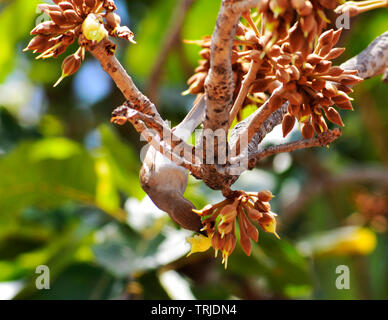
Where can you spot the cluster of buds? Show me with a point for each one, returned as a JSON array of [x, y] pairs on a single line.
[[219, 221], [278, 16], [85, 20], [313, 85], [300, 65]]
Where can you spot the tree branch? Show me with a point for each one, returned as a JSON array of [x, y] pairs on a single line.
[[219, 84], [126, 112], [323, 139], [372, 61], [144, 125], [172, 36], [316, 186], [244, 90], [104, 54]]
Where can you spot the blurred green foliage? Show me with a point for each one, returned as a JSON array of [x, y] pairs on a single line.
[[70, 197]]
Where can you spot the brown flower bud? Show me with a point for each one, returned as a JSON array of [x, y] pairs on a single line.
[[318, 84], [58, 18], [294, 97], [323, 66], [225, 228], [344, 88], [37, 43], [307, 130], [306, 10], [262, 206], [47, 27], [307, 23], [274, 51], [265, 196], [346, 105], [298, 4], [294, 73], [336, 36], [125, 33], [228, 213], [66, 5], [334, 53], [253, 213], [72, 16], [70, 65], [90, 3], [351, 80], [319, 124], [296, 38], [282, 75], [283, 60], [308, 68], [314, 59], [335, 71], [293, 109], [287, 124], [333, 116], [326, 37], [275, 101]]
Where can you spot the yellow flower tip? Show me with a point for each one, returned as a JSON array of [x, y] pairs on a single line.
[[225, 257], [199, 212], [215, 253], [199, 243], [185, 93], [63, 76]]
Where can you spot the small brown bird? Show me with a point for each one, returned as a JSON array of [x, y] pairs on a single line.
[[165, 182]]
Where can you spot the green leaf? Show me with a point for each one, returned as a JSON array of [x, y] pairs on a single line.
[[15, 23]]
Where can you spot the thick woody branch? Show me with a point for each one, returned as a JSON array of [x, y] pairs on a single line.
[[372, 61], [219, 84]]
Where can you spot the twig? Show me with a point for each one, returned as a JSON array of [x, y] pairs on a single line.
[[172, 36], [245, 86], [179, 147], [323, 139], [256, 122], [316, 186], [372, 61], [103, 53]]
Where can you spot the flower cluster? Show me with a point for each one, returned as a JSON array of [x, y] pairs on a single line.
[[85, 20], [289, 58], [219, 221]]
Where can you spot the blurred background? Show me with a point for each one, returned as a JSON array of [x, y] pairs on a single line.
[[70, 196]]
